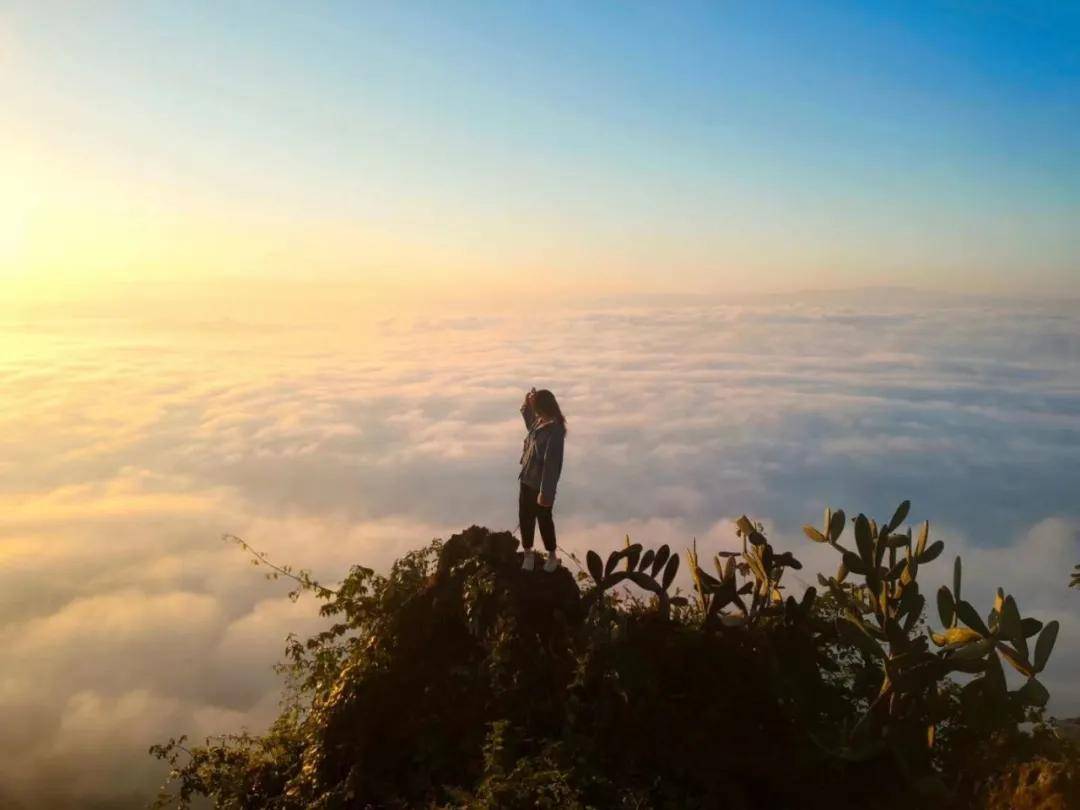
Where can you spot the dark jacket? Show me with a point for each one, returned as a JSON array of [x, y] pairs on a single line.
[[541, 454]]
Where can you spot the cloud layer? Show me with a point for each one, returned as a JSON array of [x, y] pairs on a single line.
[[130, 442]]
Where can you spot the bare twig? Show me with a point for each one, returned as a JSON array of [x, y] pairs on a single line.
[[301, 578]]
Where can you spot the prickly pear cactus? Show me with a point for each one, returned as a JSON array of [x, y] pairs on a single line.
[[877, 587], [760, 568], [652, 571]]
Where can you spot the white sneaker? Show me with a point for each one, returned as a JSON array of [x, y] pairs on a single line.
[[530, 561], [551, 564]]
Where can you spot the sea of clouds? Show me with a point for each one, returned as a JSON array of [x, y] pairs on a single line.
[[130, 440]]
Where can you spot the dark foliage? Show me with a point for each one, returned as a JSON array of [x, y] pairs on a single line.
[[459, 680]]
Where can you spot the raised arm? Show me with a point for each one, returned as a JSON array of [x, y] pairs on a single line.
[[527, 412]]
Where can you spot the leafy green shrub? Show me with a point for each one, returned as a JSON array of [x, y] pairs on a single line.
[[458, 680]]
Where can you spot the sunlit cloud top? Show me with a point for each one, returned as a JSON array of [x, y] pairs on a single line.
[[668, 146]]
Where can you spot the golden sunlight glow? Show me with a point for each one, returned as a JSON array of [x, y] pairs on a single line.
[[64, 223]]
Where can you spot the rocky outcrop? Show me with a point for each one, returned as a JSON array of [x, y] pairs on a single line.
[[481, 641]]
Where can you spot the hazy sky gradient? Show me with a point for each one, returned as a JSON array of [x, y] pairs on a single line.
[[623, 146]]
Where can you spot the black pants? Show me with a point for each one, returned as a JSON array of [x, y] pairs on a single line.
[[530, 513]]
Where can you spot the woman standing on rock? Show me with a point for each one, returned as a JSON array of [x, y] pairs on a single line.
[[541, 463]]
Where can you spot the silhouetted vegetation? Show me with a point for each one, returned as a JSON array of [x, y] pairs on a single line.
[[458, 680]]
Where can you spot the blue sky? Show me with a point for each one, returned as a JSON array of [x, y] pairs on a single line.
[[674, 145]]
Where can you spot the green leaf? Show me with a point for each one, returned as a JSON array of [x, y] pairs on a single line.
[[670, 570], [596, 568], [975, 649], [1009, 620], [642, 580], [895, 572], [1045, 645], [880, 545], [910, 599], [852, 562], [1033, 693], [661, 557], [924, 533], [612, 561], [836, 525], [912, 566], [787, 559], [708, 581], [968, 616], [899, 515], [932, 552], [946, 606], [956, 578], [995, 678], [914, 613], [1031, 627], [646, 559], [864, 540], [1019, 663], [814, 534]]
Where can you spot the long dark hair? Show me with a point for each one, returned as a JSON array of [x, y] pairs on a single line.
[[545, 403]]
